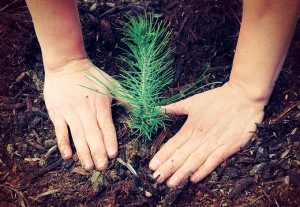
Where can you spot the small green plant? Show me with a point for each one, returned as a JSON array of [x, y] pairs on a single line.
[[147, 72]]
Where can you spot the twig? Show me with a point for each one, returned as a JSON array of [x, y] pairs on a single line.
[[22, 199], [50, 152], [129, 167], [8, 5], [284, 112], [159, 141], [50, 192], [39, 140], [260, 197], [183, 24], [10, 107], [36, 145], [45, 170]]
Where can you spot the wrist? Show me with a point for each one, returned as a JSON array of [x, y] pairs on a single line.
[[59, 55], [69, 67], [253, 95]]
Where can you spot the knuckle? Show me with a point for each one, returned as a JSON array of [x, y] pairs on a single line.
[[175, 143], [219, 156], [195, 157]]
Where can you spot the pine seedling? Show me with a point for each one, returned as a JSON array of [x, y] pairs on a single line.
[[147, 72]]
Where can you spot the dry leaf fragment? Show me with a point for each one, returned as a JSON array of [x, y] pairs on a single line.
[[80, 170], [285, 153]]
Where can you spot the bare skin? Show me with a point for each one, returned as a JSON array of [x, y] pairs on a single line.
[[223, 120], [87, 113], [219, 122]]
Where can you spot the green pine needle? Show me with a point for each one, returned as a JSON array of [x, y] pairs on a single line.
[[147, 72]]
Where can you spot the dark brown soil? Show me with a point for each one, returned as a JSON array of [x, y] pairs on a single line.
[[265, 173]]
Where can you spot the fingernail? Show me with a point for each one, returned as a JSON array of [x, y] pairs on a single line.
[[101, 164], [173, 182], [65, 154], [112, 152], [87, 166], [194, 178], [154, 164]]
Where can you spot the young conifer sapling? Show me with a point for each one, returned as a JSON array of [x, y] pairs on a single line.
[[146, 73]]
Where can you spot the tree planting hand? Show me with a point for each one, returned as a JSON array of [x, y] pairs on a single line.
[[87, 113], [219, 123], [223, 120]]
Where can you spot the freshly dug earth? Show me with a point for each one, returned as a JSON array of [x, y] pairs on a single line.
[[265, 173]]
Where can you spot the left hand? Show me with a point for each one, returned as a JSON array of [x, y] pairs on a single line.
[[219, 123]]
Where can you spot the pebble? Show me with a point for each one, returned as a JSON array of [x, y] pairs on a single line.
[[257, 168], [98, 181], [49, 143], [10, 149], [93, 7], [148, 194]]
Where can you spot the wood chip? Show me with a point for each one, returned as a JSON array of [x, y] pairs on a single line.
[[285, 153], [34, 159], [284, 112], [10, 107], [159, 141], [80, 170], [21, 77], [108, 4], [239, 188], [35, 144]]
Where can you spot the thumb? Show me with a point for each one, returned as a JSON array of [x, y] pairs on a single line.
[[178, 108]]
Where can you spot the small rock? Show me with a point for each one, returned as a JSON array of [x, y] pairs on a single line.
[[49, 143], [148, 194], [214, 176], [257, 168], [98, 181], [93, 7], [10, 149]]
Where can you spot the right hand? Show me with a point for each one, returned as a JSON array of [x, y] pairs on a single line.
[[87, 113]]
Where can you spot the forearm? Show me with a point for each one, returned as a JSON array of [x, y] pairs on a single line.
[[266, 31], [58, 29]]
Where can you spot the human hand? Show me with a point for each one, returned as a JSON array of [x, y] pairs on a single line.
[[87, 113], [219, 123]]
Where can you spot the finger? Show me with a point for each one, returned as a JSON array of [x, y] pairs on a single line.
[[209, 165], [62, 135], [79, 140], [105, 122], [170, 166], [179, 157], [171, 146], [194, 161], [94, 139]]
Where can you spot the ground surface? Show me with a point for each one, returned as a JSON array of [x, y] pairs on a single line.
[[32, 173]]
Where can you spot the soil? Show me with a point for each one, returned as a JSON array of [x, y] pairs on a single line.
[[265, 173]]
